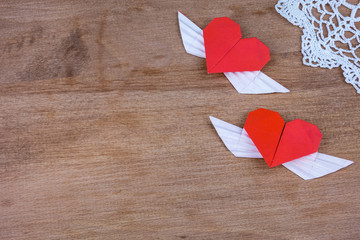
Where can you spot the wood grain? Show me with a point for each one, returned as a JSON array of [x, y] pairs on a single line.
[[104, 128]]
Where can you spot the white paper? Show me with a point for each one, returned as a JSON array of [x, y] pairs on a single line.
[[316, 165], [235, 139], [247, 82], [308, 167], [254, 82], [192, 36]]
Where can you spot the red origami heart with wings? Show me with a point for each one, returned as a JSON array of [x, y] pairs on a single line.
[[226, 51], [280, 142]]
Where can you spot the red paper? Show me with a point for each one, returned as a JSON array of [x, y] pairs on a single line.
[[299, 139], [280, 142], [226, 51], [264, 128]]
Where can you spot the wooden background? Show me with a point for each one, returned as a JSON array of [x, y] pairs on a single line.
[[104, 128]]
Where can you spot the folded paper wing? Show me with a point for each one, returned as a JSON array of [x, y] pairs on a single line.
[[254, 82], [316, 165], [309, 167], [192, 36], [246, 82], [235, 139]]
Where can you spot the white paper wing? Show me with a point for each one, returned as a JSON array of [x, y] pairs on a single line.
[[254, 82], [192, 36], [316, 165], [235, 139]]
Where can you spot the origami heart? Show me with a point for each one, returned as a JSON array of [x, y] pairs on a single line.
[[280, 142], [226, 51]]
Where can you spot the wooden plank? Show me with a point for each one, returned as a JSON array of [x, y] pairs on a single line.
[[105, 131]]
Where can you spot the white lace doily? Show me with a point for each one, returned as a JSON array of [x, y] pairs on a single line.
[[331, 33]]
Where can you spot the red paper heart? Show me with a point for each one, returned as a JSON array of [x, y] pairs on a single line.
[[279, 142], [226, 51], [298, 139]]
